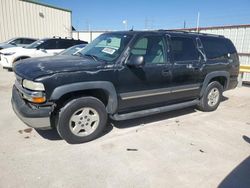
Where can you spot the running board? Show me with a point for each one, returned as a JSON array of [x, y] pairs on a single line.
[[142, 113]]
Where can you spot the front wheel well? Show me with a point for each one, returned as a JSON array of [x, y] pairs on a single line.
[[97, 93]]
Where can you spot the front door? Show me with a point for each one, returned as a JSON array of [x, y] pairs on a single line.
[[148, 85]]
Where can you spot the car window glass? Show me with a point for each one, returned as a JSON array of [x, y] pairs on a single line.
[[114, 43], [63, 44], [214, 47], [140, 47], [28, 41], [151, 48], [183, 49], [107, 47], [49, 44], [17, 41]]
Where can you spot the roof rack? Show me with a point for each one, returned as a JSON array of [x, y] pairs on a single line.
[[190, 32], [56, 37]]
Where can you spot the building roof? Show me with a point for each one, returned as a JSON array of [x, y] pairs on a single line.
[[46, 5], [217, 27]]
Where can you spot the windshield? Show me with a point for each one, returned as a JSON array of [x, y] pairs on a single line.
[[10, 40], [35, 44], [73, 50], [107, 47]]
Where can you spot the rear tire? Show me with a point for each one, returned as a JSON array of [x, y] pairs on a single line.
[[82, 120], [211, 97]]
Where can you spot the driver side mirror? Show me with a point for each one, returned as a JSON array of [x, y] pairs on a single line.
[[42, 50], [136, 61]]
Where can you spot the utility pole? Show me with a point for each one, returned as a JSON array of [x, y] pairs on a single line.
[[198, 22]]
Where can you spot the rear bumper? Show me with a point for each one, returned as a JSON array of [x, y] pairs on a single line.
[[38, 118]]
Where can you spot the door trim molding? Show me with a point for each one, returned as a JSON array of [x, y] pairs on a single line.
[[155, 92]]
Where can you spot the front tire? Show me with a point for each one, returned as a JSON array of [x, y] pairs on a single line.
[[211, 97], [82, 120]]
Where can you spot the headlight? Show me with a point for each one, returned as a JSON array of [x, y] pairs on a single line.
[[9, 53], [36, 86]]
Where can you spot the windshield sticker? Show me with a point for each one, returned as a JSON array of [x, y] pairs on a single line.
[[109, 51]]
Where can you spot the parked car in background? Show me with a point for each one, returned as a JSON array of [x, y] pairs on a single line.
[[73, 50], [14, 42], [40, 48], [124, 75]]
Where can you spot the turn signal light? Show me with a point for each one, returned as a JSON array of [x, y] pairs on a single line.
[[38, 99]]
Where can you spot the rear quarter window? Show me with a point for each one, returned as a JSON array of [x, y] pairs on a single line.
[[217, 47]]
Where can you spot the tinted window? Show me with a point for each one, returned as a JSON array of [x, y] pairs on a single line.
[[63, 44], [151, 48], [217, 47], [28, 41], [17, 41], [183, 49], [49, 44]]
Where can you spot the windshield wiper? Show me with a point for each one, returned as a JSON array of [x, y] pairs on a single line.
[[78, 54], [92, 56]]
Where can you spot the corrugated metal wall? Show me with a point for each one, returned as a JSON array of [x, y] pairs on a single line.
[[86, 35], [24, 19], [239, 35]]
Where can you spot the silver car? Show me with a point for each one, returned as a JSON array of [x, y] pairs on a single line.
[[17, 42]]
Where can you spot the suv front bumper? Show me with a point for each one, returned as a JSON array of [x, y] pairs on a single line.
[[38, 118]]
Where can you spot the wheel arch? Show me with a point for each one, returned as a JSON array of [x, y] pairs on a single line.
[[103, 90], [221, 76], [20, 57]]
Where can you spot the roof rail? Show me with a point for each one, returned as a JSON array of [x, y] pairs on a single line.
[[56, 37], [190, 32]]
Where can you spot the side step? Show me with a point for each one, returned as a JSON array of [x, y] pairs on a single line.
[[142, 113]]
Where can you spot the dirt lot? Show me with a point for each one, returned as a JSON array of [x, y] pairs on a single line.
[[185, 148]]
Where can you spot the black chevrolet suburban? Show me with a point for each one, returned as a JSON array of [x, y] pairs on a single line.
[[123, 75]]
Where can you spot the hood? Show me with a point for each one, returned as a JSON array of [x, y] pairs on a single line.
[[33, 68], [12, 49], [5, 45]]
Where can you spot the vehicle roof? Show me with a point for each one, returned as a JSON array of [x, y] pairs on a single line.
[[24, 38], [170, 32], [61, 38]]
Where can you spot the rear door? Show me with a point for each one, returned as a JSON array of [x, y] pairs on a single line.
[[186, 69]]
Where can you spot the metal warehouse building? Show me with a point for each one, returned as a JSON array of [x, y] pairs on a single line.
[[26, 18]]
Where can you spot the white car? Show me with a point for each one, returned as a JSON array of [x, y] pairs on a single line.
[[40, 48]]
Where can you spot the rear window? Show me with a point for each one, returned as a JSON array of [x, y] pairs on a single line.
[[184, 49], [217, 47]]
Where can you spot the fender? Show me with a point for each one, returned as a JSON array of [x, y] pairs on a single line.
[[20, 58], [80, 86], [212, 75]]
